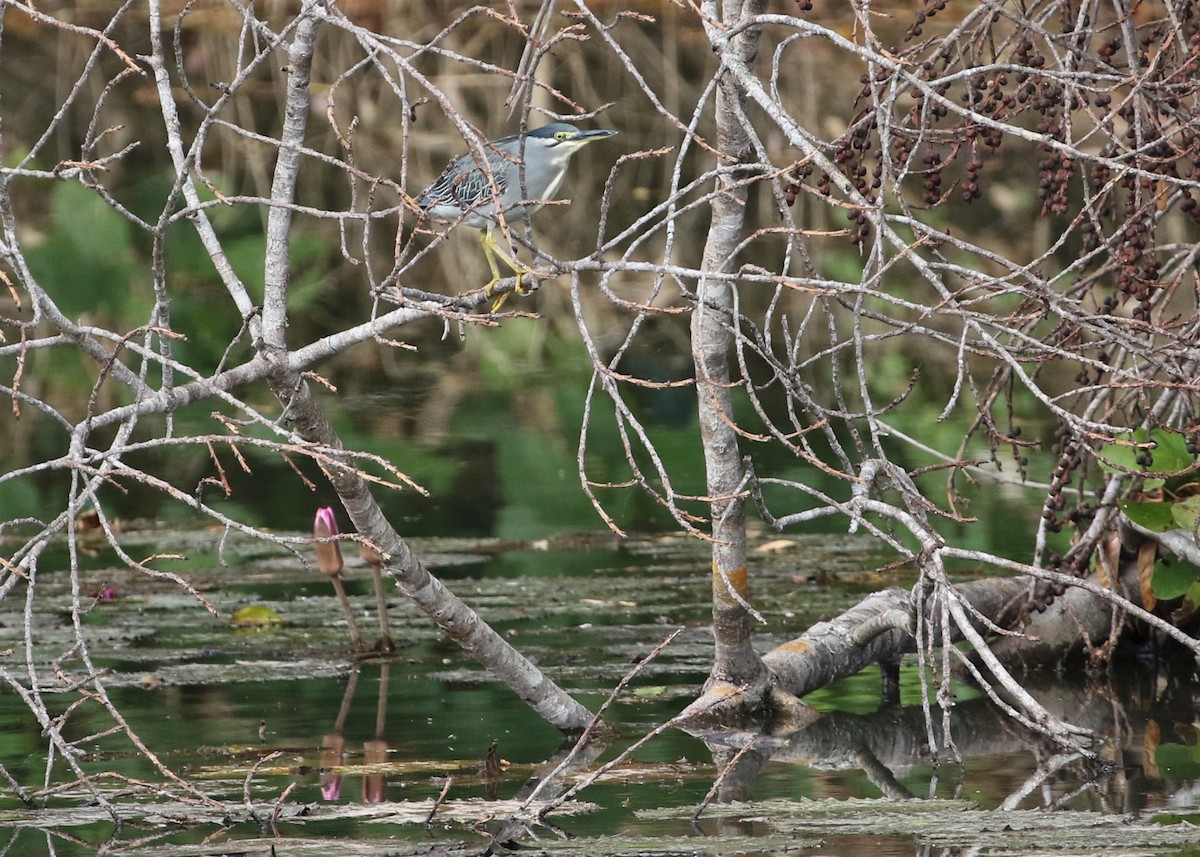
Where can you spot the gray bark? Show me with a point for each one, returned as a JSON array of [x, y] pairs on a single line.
[[458, 620], [843, 646], [736, 664]]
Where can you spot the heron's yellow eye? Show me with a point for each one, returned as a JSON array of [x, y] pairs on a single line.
[[561, 135]]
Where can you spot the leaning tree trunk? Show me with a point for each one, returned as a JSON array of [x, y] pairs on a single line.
[[736, 664], [457, 619]]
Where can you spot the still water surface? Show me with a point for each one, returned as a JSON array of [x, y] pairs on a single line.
[[507, 526], [214, 702]]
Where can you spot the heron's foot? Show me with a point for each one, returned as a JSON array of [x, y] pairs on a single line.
[[518, 287], [497, 299]]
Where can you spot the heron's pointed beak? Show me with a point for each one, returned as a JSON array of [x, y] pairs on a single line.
[[597, 134]]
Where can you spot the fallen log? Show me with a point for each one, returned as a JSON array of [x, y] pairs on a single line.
[[881, 628]]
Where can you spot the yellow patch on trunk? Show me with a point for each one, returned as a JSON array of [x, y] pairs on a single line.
[[737, 577], [796, 646], [724, 690]]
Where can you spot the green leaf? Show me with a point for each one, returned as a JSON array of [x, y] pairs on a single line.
[[1177, 761], [1171, 581], [1119, 457], [255, 616], [87, 263], [93, 229], [1186, 512], [1168, 453], [1157, 517], [1171, 454], [655, 690]]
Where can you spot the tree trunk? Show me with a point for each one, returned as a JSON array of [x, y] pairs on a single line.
[[458, 620], [736, 664]]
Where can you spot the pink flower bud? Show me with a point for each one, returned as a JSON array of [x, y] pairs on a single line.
[[329, 554]]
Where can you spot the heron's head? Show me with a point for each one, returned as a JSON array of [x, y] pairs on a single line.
[[560, 138]]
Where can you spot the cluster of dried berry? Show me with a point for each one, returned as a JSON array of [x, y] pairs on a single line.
[[851, 153], [1057, 86], [1069, 460]]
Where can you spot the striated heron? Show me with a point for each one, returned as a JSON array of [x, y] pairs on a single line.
[[523, 171]]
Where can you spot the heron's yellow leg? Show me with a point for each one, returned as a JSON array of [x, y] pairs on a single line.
[[489, 248], [492, 251]]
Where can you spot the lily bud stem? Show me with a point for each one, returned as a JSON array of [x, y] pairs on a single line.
[[355, 637]]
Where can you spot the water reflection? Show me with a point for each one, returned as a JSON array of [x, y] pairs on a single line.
[[412, 730], [1143, 763], [333, 746], [1143, 758], [1144, 721], [333, 767]]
